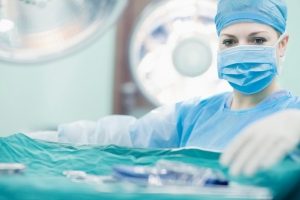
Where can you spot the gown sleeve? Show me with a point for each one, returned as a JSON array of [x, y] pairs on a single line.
[[156, 129]]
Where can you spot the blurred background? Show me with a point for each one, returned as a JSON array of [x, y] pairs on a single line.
[[95, 58]]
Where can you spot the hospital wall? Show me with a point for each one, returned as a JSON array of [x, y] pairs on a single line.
[[37, 97], [291, 69]]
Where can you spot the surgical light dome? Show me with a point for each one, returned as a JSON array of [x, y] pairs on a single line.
[[173, 51], [40, 30]]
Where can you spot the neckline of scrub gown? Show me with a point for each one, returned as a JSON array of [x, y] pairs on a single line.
[[265, 103], [206, 134]]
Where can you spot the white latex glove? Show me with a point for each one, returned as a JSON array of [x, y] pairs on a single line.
[[263, 143], [79, 132], [112, 129], [50, 136]]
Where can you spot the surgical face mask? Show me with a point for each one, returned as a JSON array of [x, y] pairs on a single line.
[[249, 69]]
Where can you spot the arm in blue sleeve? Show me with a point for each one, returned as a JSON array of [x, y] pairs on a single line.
[[157, 129]]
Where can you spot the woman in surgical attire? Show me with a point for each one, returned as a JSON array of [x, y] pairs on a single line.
[[252, 45]]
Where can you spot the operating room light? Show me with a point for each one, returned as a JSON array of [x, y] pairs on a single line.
[[173, 51], [42, 30]]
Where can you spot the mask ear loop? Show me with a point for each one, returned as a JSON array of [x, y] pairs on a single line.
[[281, 59], [280, 39]]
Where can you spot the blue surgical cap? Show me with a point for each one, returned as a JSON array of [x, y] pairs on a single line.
[[269, 12]]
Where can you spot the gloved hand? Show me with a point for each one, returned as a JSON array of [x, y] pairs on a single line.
[[111, 129], [263, 143], [79, 132]]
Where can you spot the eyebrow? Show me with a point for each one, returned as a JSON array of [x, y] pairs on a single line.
[[252, 34], [228, 35], [256, 33]]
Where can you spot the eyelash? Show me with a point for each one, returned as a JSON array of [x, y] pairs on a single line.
[[229, 42], [255, 41], [262, 40]]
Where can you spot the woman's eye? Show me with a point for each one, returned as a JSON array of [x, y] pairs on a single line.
[[259, 41], [229, 42]]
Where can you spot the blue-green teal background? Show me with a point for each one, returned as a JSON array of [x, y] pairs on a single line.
[[80, 86]]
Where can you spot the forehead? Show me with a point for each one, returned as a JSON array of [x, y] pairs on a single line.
[[246, 28]]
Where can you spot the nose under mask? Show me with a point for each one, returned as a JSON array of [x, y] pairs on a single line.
[[249, 69]]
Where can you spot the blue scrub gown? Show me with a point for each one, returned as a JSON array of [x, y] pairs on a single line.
[[208, 124]]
